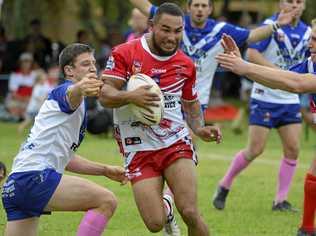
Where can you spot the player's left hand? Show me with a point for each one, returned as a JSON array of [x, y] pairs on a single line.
[[209, 133], [116, 173], [90, 85], [229, 45]]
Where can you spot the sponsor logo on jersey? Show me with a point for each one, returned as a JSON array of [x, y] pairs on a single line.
[[158, 71], [110, 64], [132, 141], [295, 36], [259, 91], [137, 67]]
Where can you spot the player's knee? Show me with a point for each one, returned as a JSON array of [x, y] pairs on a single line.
[[108, 202], [154, 226], [254, 152], [190, 215], [291, 152]]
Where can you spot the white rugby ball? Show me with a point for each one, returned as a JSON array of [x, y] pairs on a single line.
[[142, 115]]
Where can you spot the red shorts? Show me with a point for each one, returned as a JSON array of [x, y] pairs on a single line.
[[148, 164]]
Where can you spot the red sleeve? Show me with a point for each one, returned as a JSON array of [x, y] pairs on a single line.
[[117, 63], [189, 92]]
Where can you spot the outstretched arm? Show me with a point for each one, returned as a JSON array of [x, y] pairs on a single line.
[[263, 32], [256, 57], [81, 165], [143, 5], [195, 120], [270, 77]]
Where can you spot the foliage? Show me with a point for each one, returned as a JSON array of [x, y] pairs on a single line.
[[61, 19]]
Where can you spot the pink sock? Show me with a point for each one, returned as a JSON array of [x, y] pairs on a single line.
[[238, 164], [286, 173], [92, 224]]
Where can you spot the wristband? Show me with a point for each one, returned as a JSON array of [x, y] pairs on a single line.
[[275, 26]]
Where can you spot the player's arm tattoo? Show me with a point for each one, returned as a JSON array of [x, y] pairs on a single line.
[[193, 114]]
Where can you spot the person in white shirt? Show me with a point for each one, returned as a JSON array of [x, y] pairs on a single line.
[[20, 86], [39, 94]]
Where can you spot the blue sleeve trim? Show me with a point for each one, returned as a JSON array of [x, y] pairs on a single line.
[[239, 34], [262, 45], [153, 11], [59, 95]]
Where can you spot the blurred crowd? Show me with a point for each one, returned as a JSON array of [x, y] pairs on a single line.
[[29, 71]]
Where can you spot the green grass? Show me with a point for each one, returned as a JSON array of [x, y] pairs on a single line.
[[248, 211]]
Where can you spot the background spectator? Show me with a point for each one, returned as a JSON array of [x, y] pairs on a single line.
[[38, 44], [39, 94], [83, 37], [20, 86], [138, 23]]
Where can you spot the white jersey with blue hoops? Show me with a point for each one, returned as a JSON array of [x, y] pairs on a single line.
[[57, 132], [285, 48], [202, 45]]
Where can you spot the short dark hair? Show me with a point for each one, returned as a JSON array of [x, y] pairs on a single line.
[[4, 168], [69, 54], [168, 8], [210, 2]]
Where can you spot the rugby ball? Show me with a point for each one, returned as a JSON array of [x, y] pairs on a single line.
[[141, 114]]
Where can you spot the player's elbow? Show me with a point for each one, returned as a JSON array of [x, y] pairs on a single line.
[[106, 102]]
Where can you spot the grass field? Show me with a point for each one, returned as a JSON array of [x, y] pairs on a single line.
[[248, 211]]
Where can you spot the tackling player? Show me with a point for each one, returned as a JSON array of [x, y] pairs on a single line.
[[304, 82], [273, 108], [36, 184]]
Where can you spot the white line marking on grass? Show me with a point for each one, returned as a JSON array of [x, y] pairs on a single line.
[[259, 160]]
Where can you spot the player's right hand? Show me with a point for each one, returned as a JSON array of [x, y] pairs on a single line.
[[144, 98], [116, 173], [90, 86]]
